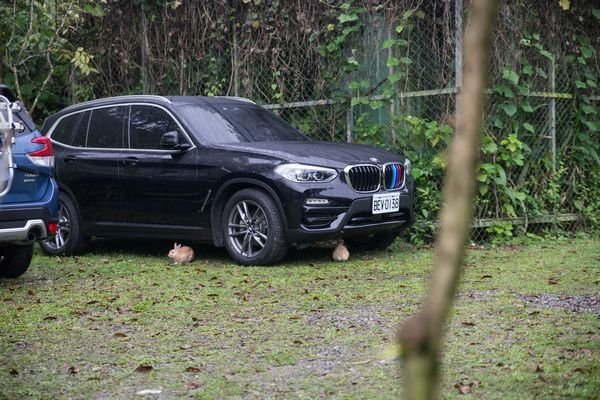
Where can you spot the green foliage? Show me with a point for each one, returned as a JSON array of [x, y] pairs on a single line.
[[500, 232], [37, 48], [59, 52]]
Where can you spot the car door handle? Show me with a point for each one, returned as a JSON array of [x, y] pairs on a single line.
[[130, 161], [70, 159]]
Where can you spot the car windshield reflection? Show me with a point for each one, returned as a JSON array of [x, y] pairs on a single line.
[[235, 123]]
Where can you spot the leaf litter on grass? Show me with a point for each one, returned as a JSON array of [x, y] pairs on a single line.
[[307, 328]]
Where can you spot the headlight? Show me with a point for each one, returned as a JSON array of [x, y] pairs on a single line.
[[407, 166], [306, 173]]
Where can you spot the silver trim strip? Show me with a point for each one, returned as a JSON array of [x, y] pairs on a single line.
[[185, 133], [131, 97]]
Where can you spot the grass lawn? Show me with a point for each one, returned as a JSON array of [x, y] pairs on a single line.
[[121, 320]]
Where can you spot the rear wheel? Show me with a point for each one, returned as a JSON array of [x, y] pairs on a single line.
[[14, 260], [68, 239], [253, 229]]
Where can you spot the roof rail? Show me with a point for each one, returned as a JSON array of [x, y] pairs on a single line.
[[236, 98], [131, 97]]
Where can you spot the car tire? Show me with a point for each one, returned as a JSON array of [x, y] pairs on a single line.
[[68, 239], [376, 241], [15, 260], [253, 229]]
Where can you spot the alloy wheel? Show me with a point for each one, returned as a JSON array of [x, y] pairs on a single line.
[[63, 230], [248, 228]]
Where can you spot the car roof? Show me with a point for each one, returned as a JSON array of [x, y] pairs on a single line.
[[151, 99]]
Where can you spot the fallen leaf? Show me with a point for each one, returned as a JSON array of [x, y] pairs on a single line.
[[192, 369], [486, 277], [149, 391], [298, 342], [541, 378], [50, 318], [361, 362], [191, 385], [144, 368], [538, 369], [120, 334], [73, 370], [468, 323], [463, 389]]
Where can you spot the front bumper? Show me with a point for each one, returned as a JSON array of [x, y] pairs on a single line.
[[347, 214]]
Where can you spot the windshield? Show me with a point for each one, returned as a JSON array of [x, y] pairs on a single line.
[[236, 123]]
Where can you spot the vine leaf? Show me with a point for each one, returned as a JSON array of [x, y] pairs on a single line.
[[529, 127], [509, 108], [511, 76]]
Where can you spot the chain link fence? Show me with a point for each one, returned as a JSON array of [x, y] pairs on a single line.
[[386, 74], [402, 96]]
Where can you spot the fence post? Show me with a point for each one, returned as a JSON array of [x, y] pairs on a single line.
[[552, 113], [236, 63], [458, 61], [349, 123]]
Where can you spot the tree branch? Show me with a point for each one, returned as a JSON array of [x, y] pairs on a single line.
[[421, 335]]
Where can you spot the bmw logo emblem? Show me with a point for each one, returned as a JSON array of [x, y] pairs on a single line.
[[373, 159]]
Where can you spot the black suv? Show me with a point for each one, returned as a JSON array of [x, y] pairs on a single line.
[[220, 170]]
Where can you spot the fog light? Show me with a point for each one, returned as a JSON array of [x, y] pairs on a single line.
[[316, 202]]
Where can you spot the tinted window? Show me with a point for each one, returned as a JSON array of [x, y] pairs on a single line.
[[233, 123], [81, 133], [147, 124], [64, 130], [106, 127]]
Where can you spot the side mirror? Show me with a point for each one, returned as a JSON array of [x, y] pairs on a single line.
[[170, 141]]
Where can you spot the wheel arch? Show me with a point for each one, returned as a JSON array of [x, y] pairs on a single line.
[[64, 189], [226, 190]]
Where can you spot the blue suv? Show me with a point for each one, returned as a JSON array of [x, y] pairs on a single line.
[[28, 191]]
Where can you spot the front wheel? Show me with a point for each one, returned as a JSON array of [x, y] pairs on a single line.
[[68, 238], [253, 229], [15, 260]]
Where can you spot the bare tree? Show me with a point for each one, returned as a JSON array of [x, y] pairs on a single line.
[[421, 335]]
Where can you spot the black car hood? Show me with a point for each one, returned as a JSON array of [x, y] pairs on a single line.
[[327, 154]]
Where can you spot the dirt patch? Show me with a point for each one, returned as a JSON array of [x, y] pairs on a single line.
[[578, 304]]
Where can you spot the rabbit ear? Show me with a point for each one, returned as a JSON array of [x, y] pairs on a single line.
[[179, 246]]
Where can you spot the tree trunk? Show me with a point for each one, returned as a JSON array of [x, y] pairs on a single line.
[[421, 335]]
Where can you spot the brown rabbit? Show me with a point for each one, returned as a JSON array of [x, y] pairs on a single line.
[[340, 253], [181, 254]]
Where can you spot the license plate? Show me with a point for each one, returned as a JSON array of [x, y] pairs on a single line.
[[385, 203]]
